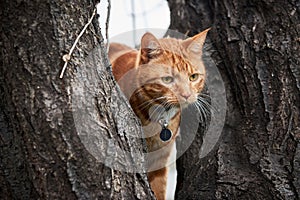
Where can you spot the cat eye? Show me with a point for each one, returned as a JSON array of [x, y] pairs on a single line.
[[194, 77], [167, 79]]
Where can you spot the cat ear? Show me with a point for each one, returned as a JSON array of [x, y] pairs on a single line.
[[150, 46], [195, 44]]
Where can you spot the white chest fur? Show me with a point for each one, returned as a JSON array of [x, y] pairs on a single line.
[[172, 175]]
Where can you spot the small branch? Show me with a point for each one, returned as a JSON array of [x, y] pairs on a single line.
[[107, 24], [67, 57]]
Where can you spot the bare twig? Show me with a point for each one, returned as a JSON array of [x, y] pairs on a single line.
[[67, 57], [107, 24]]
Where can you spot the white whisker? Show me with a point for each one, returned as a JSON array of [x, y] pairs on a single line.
[[204, 107], [160, 110], [208, 105], [151, 101], [199, 111]]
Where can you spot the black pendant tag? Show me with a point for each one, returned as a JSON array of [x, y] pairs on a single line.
[[165, 134]]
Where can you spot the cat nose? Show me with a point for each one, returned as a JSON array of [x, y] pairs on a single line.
[[186, 95]]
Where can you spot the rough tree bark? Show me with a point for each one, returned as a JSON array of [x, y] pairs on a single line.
[[42, 156], [255, 45]]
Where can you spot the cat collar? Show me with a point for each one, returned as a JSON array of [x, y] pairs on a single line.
[[165, 133]]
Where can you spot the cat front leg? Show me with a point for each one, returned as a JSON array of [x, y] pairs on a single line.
[[158, 182]]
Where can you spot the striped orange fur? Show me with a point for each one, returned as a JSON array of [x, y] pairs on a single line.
[[161, 78]]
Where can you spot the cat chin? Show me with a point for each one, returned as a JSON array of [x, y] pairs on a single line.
[[184, 105]]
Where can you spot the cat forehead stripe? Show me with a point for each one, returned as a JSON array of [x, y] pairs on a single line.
[[181, 64]]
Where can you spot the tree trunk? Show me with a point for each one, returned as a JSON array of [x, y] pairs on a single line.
[[46, 128], [255, 45]]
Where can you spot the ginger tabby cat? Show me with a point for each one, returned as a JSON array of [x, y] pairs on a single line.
[[161, 78]]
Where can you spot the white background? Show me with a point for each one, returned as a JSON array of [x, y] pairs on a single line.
[[148, 15]]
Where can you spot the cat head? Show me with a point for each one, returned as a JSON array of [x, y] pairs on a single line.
[[171, 71]]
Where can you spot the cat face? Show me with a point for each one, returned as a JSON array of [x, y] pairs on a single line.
[[170, 71]]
